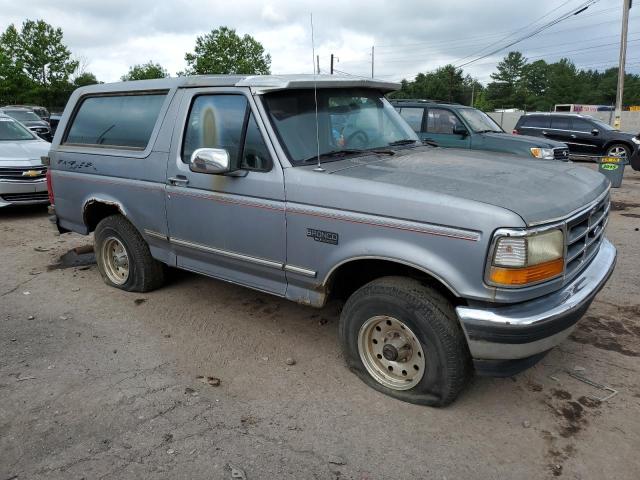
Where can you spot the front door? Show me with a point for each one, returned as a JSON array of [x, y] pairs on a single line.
[[228, 226], [439, 128]]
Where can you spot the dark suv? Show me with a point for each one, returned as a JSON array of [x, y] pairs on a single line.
[[584, 135], [455, 125]]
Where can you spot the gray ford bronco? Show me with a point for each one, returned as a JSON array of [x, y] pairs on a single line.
[[450, 261]]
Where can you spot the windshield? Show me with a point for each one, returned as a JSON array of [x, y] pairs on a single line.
[[349, 121], [12, 131], [23, 115], [602, 125], [479, 121]]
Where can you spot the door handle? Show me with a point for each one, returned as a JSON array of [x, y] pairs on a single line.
[[572, 136], [179, 180], [544, 132]]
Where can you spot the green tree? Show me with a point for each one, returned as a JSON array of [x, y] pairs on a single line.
[[35, 64], [507, 89], [146, 71], [445, 83], [222, 51], [84, 79]]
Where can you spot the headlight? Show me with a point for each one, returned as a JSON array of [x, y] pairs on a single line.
[[636, 140], [526, 259], [544, 153]]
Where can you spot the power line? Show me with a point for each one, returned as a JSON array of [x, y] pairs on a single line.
[[533, 33]]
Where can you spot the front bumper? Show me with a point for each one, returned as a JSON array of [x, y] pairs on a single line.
[[524, 331], [23, 193]]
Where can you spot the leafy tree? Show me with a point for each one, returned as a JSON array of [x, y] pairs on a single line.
[[222, 51], [446, 83], [145, 71], [507, 88], [84, 79], [35, 65], [42, 55]]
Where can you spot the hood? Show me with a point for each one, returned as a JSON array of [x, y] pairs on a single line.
[[35, 123], [538, 191], [23, 152], [524, 140]]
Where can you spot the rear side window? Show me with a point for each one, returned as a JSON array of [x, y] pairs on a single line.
[[561, 123], [535, 122], [581, 125], [122, 121], [441, 121], [413, 116]]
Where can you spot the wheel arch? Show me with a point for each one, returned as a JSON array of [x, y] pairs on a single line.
[[351, 273], [627, 144], [96, 209]]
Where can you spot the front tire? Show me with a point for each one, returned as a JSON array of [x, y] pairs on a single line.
[[123, 257], [619, 150], [403, 339]]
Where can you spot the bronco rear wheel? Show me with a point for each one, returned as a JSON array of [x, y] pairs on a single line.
[[403, 339], [123, 257]]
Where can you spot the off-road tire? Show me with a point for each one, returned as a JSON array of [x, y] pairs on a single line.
[[433, 320], [145, 272]]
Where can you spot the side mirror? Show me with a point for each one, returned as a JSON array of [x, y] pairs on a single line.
[[460, 130], [214, 161], [595, 132]]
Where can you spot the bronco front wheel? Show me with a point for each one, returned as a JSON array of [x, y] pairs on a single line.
[[403, 339]]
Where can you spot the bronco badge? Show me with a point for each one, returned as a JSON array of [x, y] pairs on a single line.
[[323, 236]]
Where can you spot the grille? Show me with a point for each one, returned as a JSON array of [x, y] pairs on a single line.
[[15, 173], [561, 153], [585, 232], [25, 197]]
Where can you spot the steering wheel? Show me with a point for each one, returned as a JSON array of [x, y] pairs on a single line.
[[358, 139]]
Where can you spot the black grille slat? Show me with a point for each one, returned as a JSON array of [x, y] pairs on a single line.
[[561, 153], [15, 173], [25, 197]]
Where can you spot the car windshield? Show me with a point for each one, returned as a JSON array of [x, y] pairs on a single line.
[[23, 115], [350, 121], [11, 130], [479, 121], [602, 125]]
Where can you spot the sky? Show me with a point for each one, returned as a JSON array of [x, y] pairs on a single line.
[[408, 36]]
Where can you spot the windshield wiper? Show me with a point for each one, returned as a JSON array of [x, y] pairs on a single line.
[[334, 153], [489, 131], [404, 141]]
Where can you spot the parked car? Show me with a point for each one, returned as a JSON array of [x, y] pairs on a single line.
[[585, 135], [22, 174], [635, 158], [42, 112], [54, 120], [30, 120], [449, 260], [454, 125]]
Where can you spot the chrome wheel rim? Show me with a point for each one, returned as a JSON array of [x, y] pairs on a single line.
[[617, 152], [391, 352], [115, 260]]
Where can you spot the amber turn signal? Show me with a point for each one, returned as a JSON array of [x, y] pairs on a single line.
[[523, 276]]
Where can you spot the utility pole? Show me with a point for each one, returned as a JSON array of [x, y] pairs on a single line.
[[473, 90], [332, 64], [318, 64], [626, 5], [372, 59]]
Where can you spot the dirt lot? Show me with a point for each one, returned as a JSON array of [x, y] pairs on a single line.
[[98, 383]]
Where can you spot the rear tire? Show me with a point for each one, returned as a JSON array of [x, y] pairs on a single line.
[[123, 257], [403, 338]]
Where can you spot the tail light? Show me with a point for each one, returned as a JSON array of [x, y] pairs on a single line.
[[514, 131], [50, 187]]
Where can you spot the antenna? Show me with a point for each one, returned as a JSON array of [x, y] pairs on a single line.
[[315, 97]]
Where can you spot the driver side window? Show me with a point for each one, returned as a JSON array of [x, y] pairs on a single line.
[[441, 121], [226, 121]]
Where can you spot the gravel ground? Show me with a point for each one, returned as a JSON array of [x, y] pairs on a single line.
[[98, 383]]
